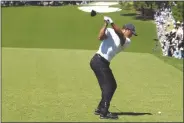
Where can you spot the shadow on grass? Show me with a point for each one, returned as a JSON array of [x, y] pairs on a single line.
[[129, 14], [131, 113], [155, 39], [139, 17]]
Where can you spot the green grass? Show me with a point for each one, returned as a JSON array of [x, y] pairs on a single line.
[[55, 85], [45, 78], [68, 28], [177, 63], [65, 27]]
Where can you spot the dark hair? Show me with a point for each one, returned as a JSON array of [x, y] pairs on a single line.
[[124, 27]]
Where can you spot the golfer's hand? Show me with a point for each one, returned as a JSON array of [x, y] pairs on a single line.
[[108, 20]]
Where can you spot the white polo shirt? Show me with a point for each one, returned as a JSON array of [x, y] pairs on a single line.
[[112, 45]]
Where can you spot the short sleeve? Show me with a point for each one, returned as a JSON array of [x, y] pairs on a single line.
[[128, 40], [127, 43]]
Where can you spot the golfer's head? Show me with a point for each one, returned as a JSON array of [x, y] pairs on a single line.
[[129, 30]]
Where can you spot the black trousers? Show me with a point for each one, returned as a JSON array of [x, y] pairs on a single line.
[[106, 80]]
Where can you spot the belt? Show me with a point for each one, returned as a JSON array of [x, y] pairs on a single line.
[[102, 59]]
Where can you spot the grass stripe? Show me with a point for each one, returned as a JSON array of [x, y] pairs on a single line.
[[49, 85]]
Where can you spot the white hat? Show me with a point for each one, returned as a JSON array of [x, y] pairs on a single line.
[[173, 30], [178, 22]]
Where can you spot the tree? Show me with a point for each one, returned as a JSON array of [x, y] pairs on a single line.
[[146, 8], [178, 11], [139, 4]]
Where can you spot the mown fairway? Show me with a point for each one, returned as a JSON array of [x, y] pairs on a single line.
[[46, 75]]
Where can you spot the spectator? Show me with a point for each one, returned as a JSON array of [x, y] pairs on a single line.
[[171, 42]]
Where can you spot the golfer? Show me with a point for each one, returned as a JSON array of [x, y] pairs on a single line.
[[113, 40]]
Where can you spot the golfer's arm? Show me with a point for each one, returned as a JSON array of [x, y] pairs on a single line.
[[119, 33], [102, 34], [116, 28]]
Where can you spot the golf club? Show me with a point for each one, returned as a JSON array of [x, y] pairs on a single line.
[[94, 13]]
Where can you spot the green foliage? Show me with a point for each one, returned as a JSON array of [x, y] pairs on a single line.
[[178, 11], [126, 5], [139, 4], [145, 4]]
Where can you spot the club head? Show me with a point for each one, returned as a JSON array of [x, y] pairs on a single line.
[[93, 13]]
